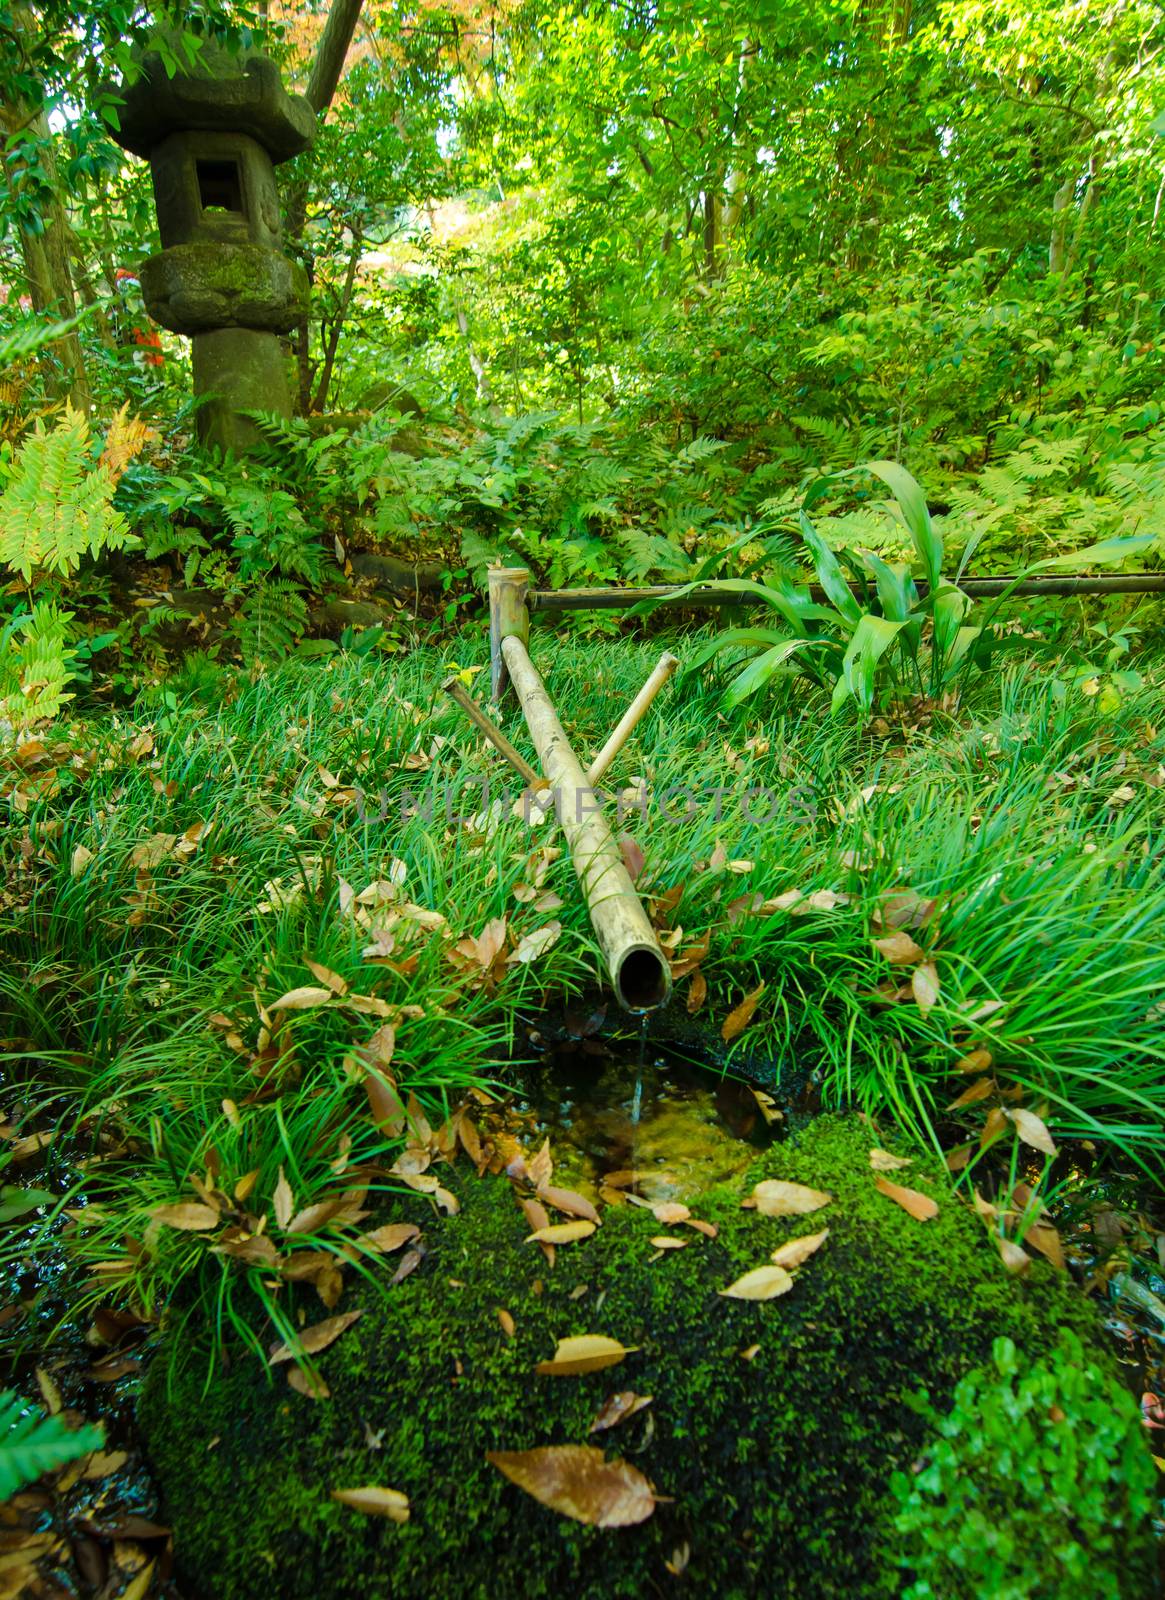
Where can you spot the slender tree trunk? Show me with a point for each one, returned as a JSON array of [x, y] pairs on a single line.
[[45, 254], [333, 340], [322, 83]]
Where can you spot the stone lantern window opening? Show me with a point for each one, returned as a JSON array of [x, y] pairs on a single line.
[[220, 183]]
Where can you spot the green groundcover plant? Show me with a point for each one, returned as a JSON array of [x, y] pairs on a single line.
[[1034, 1482]]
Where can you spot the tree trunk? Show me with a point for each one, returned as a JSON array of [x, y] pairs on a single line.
[[322, 83], [333, 340], [45, 254]]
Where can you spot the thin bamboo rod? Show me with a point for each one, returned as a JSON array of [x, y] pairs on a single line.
[[638, 967], [632, 717], [715, 595], [457, 692]]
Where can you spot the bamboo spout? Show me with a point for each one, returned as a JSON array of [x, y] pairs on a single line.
[[638, 967]]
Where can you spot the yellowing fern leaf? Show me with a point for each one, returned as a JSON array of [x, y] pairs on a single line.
[[56, 507]]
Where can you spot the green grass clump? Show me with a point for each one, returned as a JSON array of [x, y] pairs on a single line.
[[774, 1427], [185, 869]]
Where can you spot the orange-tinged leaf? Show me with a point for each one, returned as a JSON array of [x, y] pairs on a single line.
[[304, 999], [1032, 1130], [586, 1352], [374, 1501], [561, 1233], [245, 1184], [507, 1322], [697, 992], [391, 1237], [708, 1229], [884, 1161], [616, 1408], [899, 949], [575, 1205], [384, 1104], [1044, 1238], [1013, 1256], [308, 1383], [762, 1283], [670, 1212], [188, 1216], [975, 1061], [739, 1018], [795, 1251], [577, 1481], [925, 986], [540, 1168], [981, 1089], [318, 1337], [330, 980], [775, 1198], [920, 1206]]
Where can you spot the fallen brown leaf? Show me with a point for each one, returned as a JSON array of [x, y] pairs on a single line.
[[884, 1161], [1032, 1130], [773, 1197], [899, 949], [920, 1206], [577, 1481], [316, 1338], [587, 1352], [616, 1408], [796, 1251], [575, 1205], [188, 1216], [739, 1018], [374, 1501], [762, 1283], [561, 1233]]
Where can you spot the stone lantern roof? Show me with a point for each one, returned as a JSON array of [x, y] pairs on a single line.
[[229, 94]]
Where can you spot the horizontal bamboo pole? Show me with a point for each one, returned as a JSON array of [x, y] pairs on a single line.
[[632, 717], [715, 595], [638, 967]]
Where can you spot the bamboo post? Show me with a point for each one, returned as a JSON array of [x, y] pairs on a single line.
[[638, 967], [632, 717], [458, 693], [508, 617]]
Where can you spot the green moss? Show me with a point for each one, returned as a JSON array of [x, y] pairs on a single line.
[[778, 1467]]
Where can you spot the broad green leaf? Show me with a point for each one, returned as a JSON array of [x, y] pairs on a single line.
[[873, 636], [915, 514], [896, 588], [1108, 553], [760, 671], [731, 638], [829, 573]]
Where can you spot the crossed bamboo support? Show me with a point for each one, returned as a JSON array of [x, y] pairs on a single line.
[[631, 952]]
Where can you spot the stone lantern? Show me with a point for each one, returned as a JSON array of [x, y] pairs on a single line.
[[213, 136]]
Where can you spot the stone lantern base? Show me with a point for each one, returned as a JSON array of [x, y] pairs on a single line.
[[236, 370]]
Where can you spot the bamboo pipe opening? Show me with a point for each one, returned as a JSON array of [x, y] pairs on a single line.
[[642, 981]]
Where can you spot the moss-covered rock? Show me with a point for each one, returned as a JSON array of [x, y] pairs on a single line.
[[778, 1461]]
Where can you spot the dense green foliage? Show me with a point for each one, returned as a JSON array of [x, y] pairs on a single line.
[[1048, 1444], [835, 303]]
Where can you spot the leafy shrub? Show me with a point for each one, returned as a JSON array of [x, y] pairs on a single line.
[[1038, 1486], [56, 508], [32, 1444], [57, 502], [871, 633], [36, 662]]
